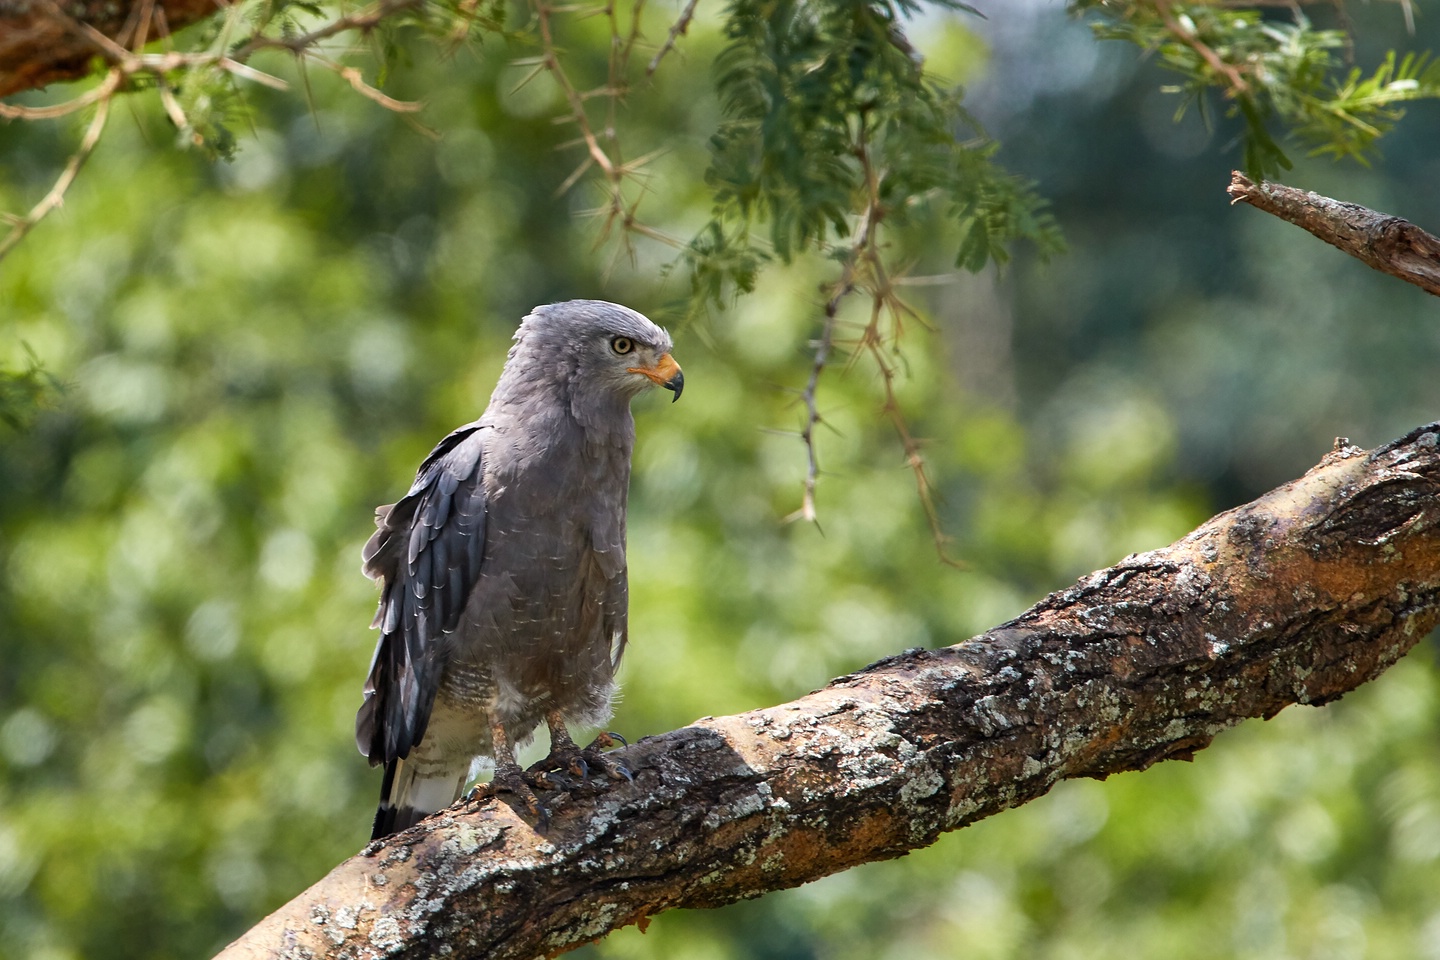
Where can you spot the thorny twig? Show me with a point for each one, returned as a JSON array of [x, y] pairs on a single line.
[[23, 225], [914, 456], [126, 64], [865, 270], [352, 76], [363, 20], [677, 30], [864, 237], [551, 61], [12, 111], [602, 147], [842, 288]]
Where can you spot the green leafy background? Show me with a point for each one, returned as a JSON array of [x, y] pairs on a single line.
[[240, 359]]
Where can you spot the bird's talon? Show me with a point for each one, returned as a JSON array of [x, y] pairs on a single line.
[[540, 780], [564, 756], [518, 783], [613, 769], [606, 740]]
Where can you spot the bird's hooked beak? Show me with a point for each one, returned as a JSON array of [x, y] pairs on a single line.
[[666, 373]]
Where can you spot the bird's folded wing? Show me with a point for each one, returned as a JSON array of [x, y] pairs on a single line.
[[426, 552]]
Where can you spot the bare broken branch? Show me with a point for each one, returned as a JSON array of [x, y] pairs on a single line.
[[1389, 244]]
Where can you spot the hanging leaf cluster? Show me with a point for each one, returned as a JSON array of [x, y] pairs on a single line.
[[828, 108]]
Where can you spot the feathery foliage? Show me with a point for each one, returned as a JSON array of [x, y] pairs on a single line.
[[815, 94], [25, 391], [1278, 76]]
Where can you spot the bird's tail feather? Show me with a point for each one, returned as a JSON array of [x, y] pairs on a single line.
[[408, 796]]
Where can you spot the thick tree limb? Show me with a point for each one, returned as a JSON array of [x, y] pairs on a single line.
[[1389, 244], [1304, 594]]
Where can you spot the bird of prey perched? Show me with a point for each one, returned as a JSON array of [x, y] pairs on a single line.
[[503, 589]]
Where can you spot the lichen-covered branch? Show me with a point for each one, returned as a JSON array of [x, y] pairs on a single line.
[[1306, 593], [1389, 244]]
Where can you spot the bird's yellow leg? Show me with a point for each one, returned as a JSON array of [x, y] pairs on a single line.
[[564, 754]]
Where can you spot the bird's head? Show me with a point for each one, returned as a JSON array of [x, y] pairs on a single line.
[[608, 346]]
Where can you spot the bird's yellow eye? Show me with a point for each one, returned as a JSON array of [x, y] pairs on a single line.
[[622, 345]]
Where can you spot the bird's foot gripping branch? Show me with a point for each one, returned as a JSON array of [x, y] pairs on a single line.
[[1298, 597]]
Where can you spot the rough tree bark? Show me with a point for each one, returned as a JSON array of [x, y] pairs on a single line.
[[1304, 594], [1389, 244]]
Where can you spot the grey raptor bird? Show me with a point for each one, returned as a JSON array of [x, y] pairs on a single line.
[[503, 589]]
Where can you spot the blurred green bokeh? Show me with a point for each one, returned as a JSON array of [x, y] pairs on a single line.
[[254, 354]]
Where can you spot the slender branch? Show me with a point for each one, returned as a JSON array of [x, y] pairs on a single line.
[[577, 104], [1308, 592], [14, 111], [125, 64], [677, 30], [841, 289], [1388, 244], [914, 455], [861, 254], [250, 73], [362, 20], [1186, 35], [865, 270], [883, 300], [20, 226], [352, 76], [172, 106], [615, 172]]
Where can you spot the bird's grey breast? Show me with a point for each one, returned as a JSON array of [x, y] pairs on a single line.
[[552, 482], [550, 601]]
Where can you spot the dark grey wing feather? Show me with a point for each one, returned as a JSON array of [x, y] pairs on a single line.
[[426, 553]]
